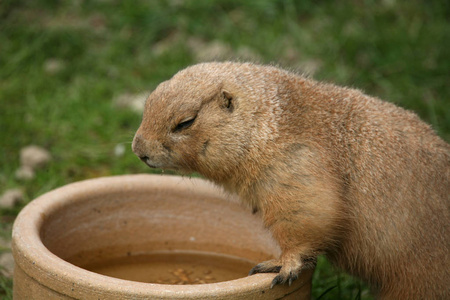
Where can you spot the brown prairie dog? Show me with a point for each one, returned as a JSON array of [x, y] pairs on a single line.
[[330, 169]]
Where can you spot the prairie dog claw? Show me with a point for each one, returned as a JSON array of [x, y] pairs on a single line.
[[282, 279], [288, 272], [262, 268]]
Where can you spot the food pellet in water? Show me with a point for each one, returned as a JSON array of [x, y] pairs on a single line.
[[175, 268]]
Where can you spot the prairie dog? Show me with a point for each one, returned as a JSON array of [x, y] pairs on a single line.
[[330, 170]]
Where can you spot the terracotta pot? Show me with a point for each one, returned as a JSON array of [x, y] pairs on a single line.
[[103, 219]]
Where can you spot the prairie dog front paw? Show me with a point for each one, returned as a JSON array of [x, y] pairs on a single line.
[[289, 268]]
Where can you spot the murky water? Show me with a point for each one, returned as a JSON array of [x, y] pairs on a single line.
[[175, 268]]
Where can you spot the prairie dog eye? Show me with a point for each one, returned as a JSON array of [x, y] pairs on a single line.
[[185, 123]]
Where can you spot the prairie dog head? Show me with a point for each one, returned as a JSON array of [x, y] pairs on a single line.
[[207, 118]]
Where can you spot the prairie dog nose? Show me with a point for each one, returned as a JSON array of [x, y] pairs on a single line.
[[138, 146]]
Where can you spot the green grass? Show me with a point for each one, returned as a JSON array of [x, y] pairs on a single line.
[[396, 50]]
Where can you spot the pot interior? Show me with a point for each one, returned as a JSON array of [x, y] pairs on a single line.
[[161, 233]]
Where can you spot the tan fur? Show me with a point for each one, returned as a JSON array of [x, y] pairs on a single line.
[[330, 169]]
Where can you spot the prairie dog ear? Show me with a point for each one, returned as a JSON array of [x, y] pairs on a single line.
[[227, 100]]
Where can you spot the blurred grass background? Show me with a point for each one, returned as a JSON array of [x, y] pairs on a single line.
[[66, 68]]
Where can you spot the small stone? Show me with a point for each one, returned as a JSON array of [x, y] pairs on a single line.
[[216, 50], [119, 150], [34, 157], [11, 198], [310, 66], [6, 264], [135, 102], [247, 53], [168, 43], [25, 173], [53, 66]]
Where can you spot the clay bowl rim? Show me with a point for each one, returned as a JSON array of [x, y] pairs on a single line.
[[40, 261]]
